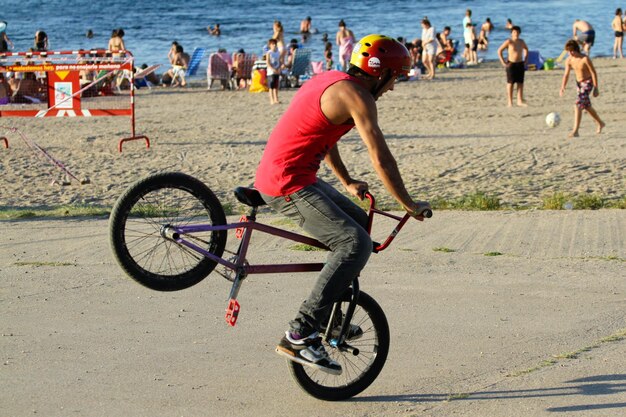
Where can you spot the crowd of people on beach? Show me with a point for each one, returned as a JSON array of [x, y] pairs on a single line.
[[430, 51]]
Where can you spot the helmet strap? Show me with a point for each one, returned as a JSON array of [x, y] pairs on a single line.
[[384, 78]]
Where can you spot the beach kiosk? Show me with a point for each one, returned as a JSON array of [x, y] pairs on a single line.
[[81, 83]]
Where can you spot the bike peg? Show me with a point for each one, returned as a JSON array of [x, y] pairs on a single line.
[[427, 213], [232, 312]]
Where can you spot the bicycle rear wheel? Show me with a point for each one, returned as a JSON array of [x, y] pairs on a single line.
[[359, 371], [136, 222]]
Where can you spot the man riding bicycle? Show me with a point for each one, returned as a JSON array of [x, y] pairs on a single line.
[[324, 109]]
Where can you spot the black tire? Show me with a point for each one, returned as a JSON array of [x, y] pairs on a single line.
[[358, 371], [135, 231]]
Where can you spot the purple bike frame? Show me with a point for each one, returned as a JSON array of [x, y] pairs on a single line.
[[248, 226]]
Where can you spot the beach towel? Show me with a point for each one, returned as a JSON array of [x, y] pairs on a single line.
[[346, 47]]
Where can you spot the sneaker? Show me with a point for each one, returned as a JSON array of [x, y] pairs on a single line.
[[308, 351], [354, 332]]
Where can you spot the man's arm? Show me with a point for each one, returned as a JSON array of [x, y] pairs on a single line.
[[525, 52], [501, 51], [568, 68], [355, 102], [334, 161]]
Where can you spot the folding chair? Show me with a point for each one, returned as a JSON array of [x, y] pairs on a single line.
[[301, 66], [218, 69], [194, 62]]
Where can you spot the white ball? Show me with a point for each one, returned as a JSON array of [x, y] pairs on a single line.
[[553, 119]]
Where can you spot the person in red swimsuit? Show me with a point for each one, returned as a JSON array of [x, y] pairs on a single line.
[[324, 109]]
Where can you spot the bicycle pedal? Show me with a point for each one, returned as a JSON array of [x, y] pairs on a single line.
[[232, 312]]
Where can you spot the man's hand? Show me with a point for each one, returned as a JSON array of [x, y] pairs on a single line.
[[417, 209], [596, 92], [357, 188]]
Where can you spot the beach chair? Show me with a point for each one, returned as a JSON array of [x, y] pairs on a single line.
[[140, 76], [243, 71], [194, 62], [218, 69], [301, 66]]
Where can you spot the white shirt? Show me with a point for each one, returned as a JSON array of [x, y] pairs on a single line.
[[466, 20], [428, 35]]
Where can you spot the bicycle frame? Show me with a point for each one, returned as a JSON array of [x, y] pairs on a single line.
[[246, 226]]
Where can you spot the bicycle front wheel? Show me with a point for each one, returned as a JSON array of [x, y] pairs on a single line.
[[359, 370], [137, 221]]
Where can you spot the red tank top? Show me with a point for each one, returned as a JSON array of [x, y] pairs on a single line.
[[300, 140]]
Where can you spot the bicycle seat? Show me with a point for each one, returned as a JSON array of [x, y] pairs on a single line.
[[249, 197]]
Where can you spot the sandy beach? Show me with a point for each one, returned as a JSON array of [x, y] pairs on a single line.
[[452, 136]]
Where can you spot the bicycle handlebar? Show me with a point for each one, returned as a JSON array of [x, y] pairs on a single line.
[[427, 213]]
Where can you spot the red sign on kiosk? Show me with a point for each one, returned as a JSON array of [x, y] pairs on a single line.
[[62, 86]]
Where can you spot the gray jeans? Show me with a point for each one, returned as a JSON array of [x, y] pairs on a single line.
[[337, 222]]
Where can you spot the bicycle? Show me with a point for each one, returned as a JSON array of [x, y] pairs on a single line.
[[168, 232]]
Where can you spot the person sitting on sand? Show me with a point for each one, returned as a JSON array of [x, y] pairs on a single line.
[[13, 78], [29, 90], [586, 81], [291, 54], [5, 90], [515, 65], [237, 72], [442, 39], [415, 51], [179, 67]]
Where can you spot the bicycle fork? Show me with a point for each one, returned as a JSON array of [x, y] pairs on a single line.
[[339, 342]]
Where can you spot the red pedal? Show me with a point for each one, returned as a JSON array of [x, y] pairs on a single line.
[[232, 312], [239, 230]]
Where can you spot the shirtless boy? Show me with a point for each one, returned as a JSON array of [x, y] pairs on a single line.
[[515, 65], [586, 80]]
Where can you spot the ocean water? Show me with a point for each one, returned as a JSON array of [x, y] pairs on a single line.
[[151, 26]]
